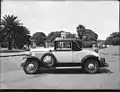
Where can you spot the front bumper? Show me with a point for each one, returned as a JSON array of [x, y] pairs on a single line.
[[103, 63]]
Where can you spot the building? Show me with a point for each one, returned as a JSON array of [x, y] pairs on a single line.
[[48, 43], [63, 34], [33, 43]]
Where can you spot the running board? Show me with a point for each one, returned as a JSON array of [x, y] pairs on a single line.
[[68, 64], [67, 67]]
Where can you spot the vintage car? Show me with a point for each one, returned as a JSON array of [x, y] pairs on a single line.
[[66, 52]]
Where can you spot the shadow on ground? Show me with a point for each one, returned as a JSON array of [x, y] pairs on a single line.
[[71, 71]]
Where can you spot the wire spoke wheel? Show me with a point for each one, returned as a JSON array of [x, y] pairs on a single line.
[[31, 67], [91, 66]]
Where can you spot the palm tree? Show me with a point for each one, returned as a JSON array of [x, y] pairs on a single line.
[[26, 34], [10, 23], [22, 36], [14, 31]]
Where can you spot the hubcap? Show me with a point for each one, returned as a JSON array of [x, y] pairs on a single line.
[[30, 66], [91, 66]]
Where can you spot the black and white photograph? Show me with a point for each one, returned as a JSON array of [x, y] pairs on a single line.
[[59, 44]]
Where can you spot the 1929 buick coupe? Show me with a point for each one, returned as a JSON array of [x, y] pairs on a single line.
[[66, 52]]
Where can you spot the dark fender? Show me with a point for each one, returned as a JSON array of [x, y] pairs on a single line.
[[35, 58], [89, 57]]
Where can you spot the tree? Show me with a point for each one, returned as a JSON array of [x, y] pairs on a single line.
[[9, 23], [80, 31], [22, 37], [13, 31], [51, 36], [70, 35], [1, 35], [113, 39], [40, 37], [88, 36]]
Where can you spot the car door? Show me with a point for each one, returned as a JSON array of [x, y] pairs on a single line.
[[63, 52], [77, 53]]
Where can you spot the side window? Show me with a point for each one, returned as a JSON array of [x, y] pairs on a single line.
[[63, 46], [75, 47]]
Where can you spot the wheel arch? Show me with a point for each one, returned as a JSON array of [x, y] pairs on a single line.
[[34, 58], [90, 57]]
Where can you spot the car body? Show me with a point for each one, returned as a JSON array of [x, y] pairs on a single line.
[[66, 52]]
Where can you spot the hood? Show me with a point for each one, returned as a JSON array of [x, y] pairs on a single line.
[[90, 52], [42, 49]]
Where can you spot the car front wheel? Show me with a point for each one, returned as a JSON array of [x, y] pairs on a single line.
[[31, 67], [91, 66]]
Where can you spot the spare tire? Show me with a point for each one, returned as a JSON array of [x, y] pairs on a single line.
[[48, 60]]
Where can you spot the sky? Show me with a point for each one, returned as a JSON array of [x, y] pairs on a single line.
[[46, 16]]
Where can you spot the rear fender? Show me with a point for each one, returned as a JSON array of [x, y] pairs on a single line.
[[90, 57]]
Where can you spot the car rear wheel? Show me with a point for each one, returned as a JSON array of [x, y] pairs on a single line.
[[31, 67], [48, 60], [91, 66]]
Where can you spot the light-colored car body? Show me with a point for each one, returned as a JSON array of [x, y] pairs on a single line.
[[64, 57], [64, 51]]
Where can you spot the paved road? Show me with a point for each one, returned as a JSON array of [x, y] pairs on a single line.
[[13, 77]]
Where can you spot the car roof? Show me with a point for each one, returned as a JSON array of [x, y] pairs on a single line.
[[67, 39]]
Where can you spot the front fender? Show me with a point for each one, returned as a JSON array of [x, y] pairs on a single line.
[[32, 57], [27, 59]]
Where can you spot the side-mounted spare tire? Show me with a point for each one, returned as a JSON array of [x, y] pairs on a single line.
[[31, 66], [48, 60]]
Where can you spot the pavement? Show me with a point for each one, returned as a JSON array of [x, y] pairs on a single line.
[[60, 81], [12, 76]]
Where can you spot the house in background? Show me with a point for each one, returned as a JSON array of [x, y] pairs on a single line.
[[48, 43], [33, 43], [63, 35]]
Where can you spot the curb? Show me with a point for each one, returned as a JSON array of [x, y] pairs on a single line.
[[13, 55]]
